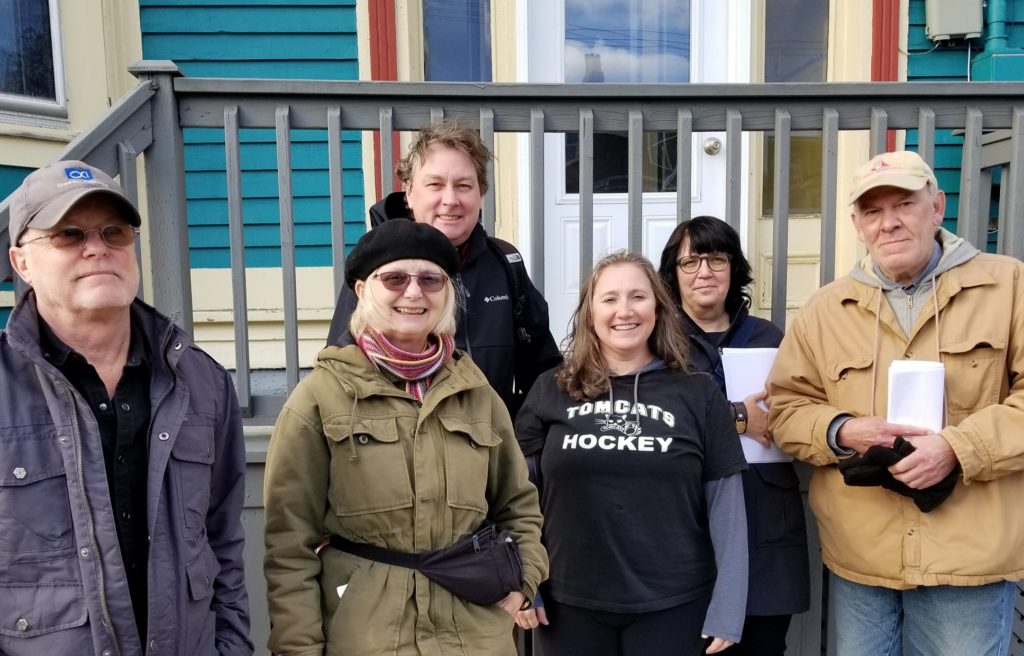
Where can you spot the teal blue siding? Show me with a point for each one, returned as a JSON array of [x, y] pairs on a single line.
[[305, 39], [10, 178], [951, 63]]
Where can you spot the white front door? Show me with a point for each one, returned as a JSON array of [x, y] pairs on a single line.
[[623, 41]]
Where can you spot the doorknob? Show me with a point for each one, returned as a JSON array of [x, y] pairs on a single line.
[[712, 145]]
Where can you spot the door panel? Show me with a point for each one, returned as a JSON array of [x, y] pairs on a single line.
[[622, 41]]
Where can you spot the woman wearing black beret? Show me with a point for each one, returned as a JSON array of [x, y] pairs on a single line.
[[392, 450]]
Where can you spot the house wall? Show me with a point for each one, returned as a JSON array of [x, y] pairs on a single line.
[[99, 39], [927, 61], [306, 39]]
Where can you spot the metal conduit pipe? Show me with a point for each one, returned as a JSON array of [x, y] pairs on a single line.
[[997, 37]]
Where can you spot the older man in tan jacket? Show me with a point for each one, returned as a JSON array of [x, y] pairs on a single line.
[[921, 530]]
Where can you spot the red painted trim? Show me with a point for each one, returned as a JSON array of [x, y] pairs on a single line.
[[885, 44], [383, 63]]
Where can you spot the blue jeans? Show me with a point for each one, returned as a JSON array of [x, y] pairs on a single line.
[[940, 620]]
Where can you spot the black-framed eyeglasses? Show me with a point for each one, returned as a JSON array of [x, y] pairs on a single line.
[[115, 235], [716, 262], [397, 281]]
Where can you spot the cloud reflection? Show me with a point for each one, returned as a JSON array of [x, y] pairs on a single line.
[[627, 41]]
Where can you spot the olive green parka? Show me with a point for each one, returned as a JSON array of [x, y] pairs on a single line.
[[354, 454]]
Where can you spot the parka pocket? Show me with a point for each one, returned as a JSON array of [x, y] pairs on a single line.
[[975, 375], [199, 624], [850, 379], [35, 511], [192, 457], [369, 472], [467, 449], [29, 610]]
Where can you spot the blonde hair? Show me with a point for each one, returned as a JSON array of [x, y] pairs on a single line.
[[584, 374], [450, 134], [369, 311]]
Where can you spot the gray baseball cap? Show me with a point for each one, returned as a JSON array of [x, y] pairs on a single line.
[[47, 194]]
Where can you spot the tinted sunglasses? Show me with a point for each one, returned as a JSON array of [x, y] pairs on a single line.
[[397, 281], [115, 235], [691, 263]]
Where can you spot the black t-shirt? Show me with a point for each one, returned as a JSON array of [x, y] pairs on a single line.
[[625, 515]]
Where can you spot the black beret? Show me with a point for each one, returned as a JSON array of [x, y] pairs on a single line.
[[399, 239]]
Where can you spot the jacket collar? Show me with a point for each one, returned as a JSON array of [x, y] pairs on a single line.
[[952, 273], [357, 375], [164, 340], [694, 330], [393, 207]]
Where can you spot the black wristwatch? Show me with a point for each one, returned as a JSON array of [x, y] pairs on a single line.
[[740, 411]]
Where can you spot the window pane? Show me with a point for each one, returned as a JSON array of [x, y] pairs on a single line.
[[457, 35], [796, 40], [26, 51], [624, 41], [804, 173]]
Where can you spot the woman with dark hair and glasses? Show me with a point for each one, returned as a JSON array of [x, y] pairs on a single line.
[[704, 267], [393, 448]]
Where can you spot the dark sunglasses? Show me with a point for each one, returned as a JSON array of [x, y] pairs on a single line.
[[115, 235], [397, 281], [691, 263]]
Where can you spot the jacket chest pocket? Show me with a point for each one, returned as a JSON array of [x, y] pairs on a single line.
[[192, 459], [369, 469], [35, 512], [467, 450], [975, 375], [849, 378]]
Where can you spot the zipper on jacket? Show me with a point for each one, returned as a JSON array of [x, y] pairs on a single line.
[[463, 296], [91, 526]]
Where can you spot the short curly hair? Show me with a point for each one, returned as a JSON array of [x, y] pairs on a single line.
[[451, 134]]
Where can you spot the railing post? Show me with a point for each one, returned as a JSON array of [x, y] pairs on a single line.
[[167, 217]]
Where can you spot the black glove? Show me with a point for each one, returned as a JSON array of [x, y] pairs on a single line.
[[873, 469]]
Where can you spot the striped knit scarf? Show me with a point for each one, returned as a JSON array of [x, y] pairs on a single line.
[[416, 369]]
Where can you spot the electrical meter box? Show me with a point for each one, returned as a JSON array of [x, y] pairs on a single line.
[[952, 19]]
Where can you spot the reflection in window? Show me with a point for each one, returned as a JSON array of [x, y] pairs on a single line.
[[626, 41], [796, 41], [457, 40], [26, 50]]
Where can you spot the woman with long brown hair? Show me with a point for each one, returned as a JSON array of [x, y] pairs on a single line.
[[638, 466]]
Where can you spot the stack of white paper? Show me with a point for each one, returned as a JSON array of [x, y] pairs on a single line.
[[746, 370], [916, 391]]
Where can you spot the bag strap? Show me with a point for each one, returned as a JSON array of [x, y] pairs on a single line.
[[379, 554], [515, 271], [486, 531]]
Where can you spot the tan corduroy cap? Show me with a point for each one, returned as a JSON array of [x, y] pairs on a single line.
[[903, 169], [47, 194]]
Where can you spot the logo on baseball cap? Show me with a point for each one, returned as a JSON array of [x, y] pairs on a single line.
[[47, 194], [903, 168]]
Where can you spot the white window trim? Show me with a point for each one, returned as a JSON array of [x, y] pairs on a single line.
[[31, 111]]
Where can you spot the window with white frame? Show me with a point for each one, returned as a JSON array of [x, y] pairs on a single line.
[[31, 80]]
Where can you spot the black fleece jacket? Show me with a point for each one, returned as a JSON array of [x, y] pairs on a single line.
[[485, 327]]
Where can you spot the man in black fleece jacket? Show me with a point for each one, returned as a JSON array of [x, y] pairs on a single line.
[[503, 321]]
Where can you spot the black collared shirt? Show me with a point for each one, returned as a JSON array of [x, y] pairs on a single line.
[[124, 428]]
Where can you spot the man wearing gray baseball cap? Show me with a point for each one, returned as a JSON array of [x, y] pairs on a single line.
[[920, 521], [121, 454]]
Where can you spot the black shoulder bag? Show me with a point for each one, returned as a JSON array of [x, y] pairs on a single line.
[[482, 567]]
